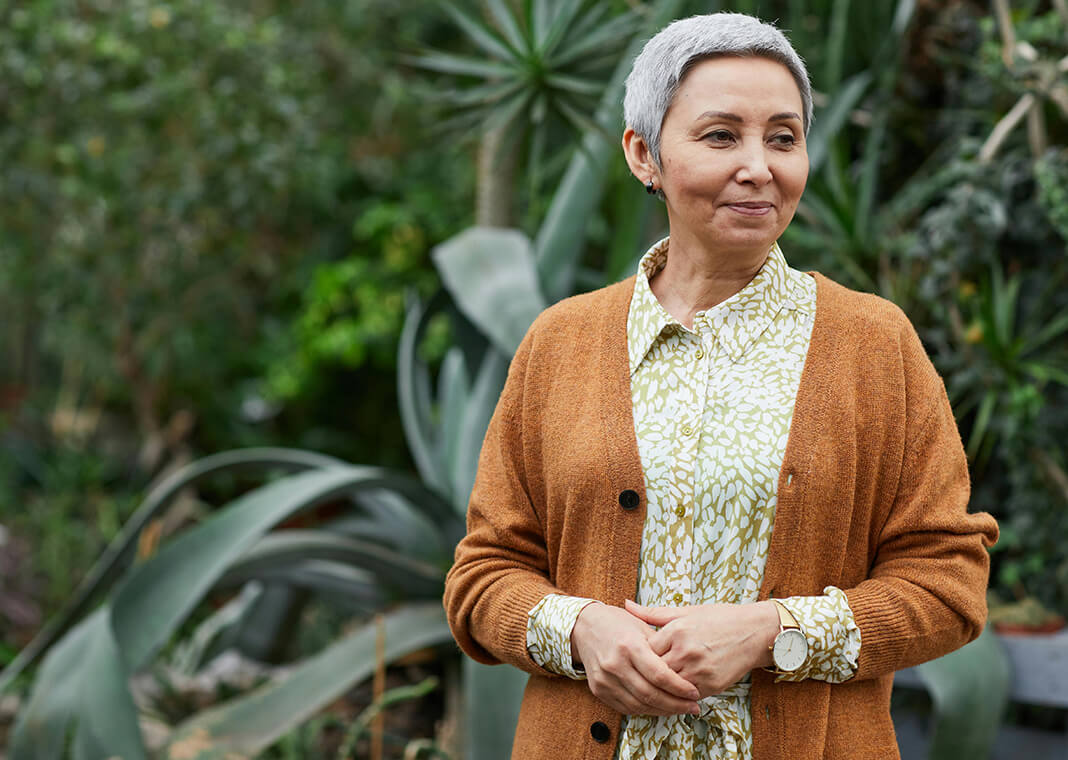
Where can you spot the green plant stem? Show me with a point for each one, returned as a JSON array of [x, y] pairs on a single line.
[[387, 700]]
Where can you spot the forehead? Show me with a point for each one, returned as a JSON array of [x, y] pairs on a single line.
[[751, 84]]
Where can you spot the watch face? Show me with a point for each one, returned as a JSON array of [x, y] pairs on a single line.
[[790, 650]]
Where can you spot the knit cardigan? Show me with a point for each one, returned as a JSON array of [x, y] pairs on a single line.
[[872, 498]]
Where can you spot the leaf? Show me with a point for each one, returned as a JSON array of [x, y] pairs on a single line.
[[156, 596], [551, 29], [559, 242], [509, 25], [112, 563], [480, 405], [833, 118], [969, 689], [507, 297], [491, 698], [80, 691], [413, 397], [252, 723], [286, 547], [480, 34], [454, 388], [448, 63]]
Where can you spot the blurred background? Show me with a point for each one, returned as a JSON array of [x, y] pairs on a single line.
[[258, 303]]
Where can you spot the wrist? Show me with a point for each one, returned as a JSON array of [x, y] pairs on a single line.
[[767, 630], [577, 631]]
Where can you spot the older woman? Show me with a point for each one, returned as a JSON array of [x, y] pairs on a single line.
[[721, 502]]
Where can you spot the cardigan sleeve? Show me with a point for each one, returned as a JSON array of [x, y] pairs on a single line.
[[501, 568], [926, 592]]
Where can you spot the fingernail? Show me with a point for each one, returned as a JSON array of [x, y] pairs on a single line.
[[695, 710]]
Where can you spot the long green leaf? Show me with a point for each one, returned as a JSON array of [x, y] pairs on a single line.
[[480, 34], [559, 242], [509, 25], [106, 571], [449, 63], [969, 689], [250, 724], [413, 397], [455, 387], [492, 695], [507, 298], [480, 405], [551, 29], [279, 548], [156, 596], [833, 118], [836, 43], [80, 693]]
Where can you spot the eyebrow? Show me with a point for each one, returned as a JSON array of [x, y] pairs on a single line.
[[728, 116]]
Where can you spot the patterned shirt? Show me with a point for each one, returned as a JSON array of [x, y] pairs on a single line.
[[712, 411]]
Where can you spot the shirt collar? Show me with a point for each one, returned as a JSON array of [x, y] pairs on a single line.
[[735, 323]]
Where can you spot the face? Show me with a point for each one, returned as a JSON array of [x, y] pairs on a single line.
[[732, 154]]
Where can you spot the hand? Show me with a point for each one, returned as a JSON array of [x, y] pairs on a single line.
[[712, 645], [621, 667]]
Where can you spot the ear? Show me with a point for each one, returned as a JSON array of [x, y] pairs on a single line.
[[640, 158]]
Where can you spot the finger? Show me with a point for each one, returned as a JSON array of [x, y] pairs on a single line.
[[657, 616], [613, 692], [657, 673], [660, 642]]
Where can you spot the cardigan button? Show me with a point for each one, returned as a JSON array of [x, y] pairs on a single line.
[[629, 499], [600, 732]]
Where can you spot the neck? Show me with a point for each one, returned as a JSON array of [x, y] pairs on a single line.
[[694, 279]]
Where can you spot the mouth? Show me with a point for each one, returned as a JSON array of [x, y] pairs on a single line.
[[751, 208]]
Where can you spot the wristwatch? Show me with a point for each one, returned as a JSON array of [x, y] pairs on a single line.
[[790, 648]]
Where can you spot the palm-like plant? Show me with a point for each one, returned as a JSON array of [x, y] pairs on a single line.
[[540, 63]]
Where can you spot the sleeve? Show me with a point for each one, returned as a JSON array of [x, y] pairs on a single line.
[[925, 594], [549, 627], [501, 566], [832, 633]]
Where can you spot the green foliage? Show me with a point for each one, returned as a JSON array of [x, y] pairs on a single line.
[[152, 601], [538, 65], [967, 234], [969, 690]]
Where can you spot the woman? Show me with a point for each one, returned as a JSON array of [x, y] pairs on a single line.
[[766, 461]]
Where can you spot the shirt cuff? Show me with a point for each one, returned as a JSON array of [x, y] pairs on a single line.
[[549, 627], [832, 633]]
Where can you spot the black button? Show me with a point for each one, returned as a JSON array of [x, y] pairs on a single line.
[[599, 731], [629, 499]]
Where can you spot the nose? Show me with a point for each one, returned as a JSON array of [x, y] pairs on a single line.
[[753, 164]]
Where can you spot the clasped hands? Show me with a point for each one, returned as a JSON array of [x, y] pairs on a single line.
[[660, 660]]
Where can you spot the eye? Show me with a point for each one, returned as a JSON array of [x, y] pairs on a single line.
[[784, 140], [719, 136]]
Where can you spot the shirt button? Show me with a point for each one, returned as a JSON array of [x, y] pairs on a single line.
[[687, 430], [677, 598], [700, 353], [629, 499], [680, 511]]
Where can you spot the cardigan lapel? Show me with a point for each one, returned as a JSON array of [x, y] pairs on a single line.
[[623, 468], [806, 453]]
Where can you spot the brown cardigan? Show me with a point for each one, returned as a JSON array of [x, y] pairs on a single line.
[[872, 499]]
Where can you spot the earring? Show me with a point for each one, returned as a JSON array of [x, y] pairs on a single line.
[[650, 188]]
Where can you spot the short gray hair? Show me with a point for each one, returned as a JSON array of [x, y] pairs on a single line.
[[667, 57]]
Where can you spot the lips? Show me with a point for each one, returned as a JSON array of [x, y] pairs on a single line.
[[751, 208]]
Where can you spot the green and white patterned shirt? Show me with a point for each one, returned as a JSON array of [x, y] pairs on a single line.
[[712, 411]]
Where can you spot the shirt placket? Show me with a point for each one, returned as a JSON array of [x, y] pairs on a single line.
[[692, 359]]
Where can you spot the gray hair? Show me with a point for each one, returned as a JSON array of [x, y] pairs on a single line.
[[667, 57]]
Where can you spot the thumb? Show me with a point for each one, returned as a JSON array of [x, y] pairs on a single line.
[[657, 616]]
